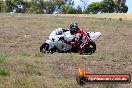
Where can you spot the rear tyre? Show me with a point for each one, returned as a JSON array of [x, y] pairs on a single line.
[[90, 48]]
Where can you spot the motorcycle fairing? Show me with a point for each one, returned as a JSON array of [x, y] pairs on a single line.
[[94, 35], [63, 46]]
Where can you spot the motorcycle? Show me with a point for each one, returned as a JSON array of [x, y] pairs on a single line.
[[56, 44]]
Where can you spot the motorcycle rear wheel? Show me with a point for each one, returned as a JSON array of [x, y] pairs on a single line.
[[90, 48]]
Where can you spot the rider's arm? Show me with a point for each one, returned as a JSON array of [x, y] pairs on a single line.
[[76, 42], [81, 37], [64, 30], [87, 38], [78, 38]]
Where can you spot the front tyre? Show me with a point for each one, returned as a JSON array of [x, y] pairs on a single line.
[[44, 47], [90, 48]]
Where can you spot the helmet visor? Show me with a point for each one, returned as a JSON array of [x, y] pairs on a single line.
[[72, 31]]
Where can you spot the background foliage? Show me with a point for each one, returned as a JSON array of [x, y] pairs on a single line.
[[62, 6]]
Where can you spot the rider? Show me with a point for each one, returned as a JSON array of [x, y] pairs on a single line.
[[81, 37]]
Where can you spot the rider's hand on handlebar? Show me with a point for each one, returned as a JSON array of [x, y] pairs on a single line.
[[61, 38], [72, 43]]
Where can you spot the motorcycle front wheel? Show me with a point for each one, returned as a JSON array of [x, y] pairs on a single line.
[[44, 47], [90, 48]]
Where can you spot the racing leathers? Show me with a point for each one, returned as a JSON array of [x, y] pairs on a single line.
[[81, 39]]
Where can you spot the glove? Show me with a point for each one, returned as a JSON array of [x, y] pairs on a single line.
[[72, 43], [65, 41], [61, 38]]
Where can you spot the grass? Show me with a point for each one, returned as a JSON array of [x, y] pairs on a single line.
[[24, 82], [104, 16], [24, 53], [38, 54], [2, 57], [28, 69], [108, 86], [4, 72], [33, 69], [23, 66]]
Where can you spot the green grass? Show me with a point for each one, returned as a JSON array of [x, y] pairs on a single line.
[[24, 53], [38, 54], [3, 56], [108, 86], [23, 82], [4, 72]]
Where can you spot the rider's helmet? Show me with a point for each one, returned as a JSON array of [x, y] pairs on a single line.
[[73, 28]]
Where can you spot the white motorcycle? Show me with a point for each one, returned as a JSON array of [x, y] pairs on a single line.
[[55, 44]]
